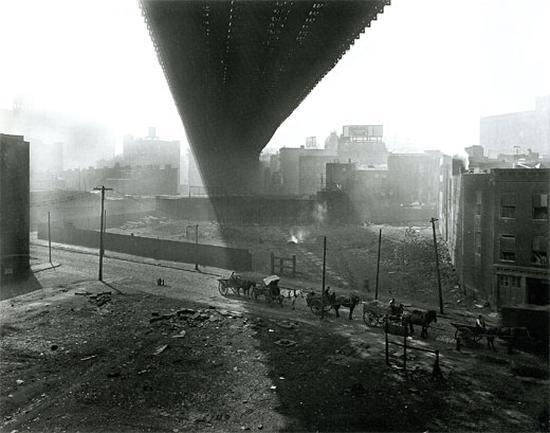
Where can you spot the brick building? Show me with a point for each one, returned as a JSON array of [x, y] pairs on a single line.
[[501, 242], [14, 207]]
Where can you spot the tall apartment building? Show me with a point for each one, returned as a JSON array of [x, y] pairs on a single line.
[[14, 207], [501, 240]]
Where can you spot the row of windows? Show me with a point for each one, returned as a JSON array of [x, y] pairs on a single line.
[[508, 206], [539, 249]]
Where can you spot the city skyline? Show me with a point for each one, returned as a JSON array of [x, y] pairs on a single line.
[[419, 86]]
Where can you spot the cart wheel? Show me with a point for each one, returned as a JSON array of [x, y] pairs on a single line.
[[222, 288], [315, 309], [370, 319]]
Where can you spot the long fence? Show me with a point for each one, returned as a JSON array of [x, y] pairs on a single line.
[[160, 249]]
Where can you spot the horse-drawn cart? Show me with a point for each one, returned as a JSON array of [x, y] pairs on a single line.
[[374, 313], [269, 289], [513, 336], [465, 333], [318, 303]]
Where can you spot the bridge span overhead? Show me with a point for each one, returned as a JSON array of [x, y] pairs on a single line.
[[238, 69]]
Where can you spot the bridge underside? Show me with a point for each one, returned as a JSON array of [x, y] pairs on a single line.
[[238, 69]]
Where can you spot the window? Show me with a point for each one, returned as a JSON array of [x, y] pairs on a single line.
[[509, 290], [540, 206], [539, 251], [478, 203], [508, 205], [509, 281], [508, 248]]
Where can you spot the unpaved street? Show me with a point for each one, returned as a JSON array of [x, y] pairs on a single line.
[[184, 358]]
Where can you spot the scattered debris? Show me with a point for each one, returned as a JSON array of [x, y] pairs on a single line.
[[181, 334], [286, 324], [161, 317], [100, 299], [88, 357], [160, 349], [285, 342]]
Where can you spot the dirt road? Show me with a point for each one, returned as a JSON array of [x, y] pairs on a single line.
[[138, 360]]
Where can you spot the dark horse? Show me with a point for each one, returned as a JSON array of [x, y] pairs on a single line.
[[344, 301], [510, 334], [419, 317]]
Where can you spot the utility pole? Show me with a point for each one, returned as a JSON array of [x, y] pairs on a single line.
[[197, 247], [433, 220], [323, 278], [49, 240], [378, 263], [101, 229]]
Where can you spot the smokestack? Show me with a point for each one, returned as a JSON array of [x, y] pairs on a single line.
[[152, 132]]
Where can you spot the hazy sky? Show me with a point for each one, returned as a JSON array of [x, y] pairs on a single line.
[[427, 69]]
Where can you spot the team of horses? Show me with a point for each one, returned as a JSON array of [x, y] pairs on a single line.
[[330, 300]]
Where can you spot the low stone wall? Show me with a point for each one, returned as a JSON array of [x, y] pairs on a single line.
[[161, 249]]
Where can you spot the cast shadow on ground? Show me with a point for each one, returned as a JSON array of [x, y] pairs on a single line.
[[10, 289], [327, 382]]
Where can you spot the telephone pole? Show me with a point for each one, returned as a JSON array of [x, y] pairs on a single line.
[[101, 229], [49, 240], [197, 247], [433, 220], [323, 280], [378, 264]]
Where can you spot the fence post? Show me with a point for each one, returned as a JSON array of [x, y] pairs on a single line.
[[272, 263], [436, 372], [294, 265]]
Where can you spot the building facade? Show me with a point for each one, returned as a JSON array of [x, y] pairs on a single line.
[[522, 130], [137, 180], [500, 236], [150, 150], [414, 177], [363, 144], [14, 207]]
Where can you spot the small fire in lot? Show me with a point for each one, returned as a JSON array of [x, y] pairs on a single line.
[[297, 236]]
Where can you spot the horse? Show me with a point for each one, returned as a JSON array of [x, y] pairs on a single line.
[[510, 334], [344, 301], [419, 317], [246, 285]]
